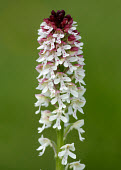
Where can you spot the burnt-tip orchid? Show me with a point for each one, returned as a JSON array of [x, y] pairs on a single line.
[[60, 85]]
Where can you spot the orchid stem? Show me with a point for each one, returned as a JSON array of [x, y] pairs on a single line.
[[60, 143]]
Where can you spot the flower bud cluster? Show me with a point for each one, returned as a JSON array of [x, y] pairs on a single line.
[[60, 80]]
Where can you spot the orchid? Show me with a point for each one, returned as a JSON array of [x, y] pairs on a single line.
[[60, 85], [77, 125], [45, 115], [66, 152], [58, 115], [77, 166]]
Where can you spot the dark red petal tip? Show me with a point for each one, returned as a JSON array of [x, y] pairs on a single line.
[[59, 20]]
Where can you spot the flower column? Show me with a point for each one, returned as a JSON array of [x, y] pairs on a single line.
[[60, 80]]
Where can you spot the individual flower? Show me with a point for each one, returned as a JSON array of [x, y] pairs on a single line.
[[77, 166], [44, 30], [50, 41], [54, 55], [58, 116], [49, 69], [45, 115], [76, 104], [42, 101], [44, 142], [68, 63], [71, 31], [66, 152], [79, 74], [44, 58], [71, 90], [77, 125], [81, 91], [45, 84], [80, 59], [58, 35], [62, 50], [60, 78], [59, 98]]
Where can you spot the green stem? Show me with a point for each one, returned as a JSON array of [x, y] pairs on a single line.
[[60, 142]]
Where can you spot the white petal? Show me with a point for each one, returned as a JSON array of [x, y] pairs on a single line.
[[41, 153], [52, 45], [73, 28], [58, 124], [82, 166], [64, 160], [41, 47], [64, 106], [74, 22], [45, 71], [41, 129], [80, 137], [64, 96], [80, 52], [80, 110], [70, 110], [62, 86], [74, 114], [37, 111], [64, 119], [62, 153], [59, 51], [56, 81], [50, 57], [61, 35], [64, 53], [74, 93], [72, 155], [66, 79], [66, 47], [40, 148], [66, 64], [45, 89], [53, 101], [55, 35], [53, 117], [73, 59]]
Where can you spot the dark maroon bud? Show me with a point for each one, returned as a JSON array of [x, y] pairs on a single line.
[[53, 12], [67, 26], [63, 12], [65, 21], [71, 38], [71, 21], [74, 49], [69, 17], [52, 18], [76, 32], [61, 16], [58, 12]]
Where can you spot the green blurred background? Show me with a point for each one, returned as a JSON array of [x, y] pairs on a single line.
[[100, 25]]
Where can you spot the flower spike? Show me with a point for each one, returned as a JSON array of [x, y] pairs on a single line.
[[60, 84]]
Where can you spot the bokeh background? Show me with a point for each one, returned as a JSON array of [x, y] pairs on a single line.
[[99, 23]]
